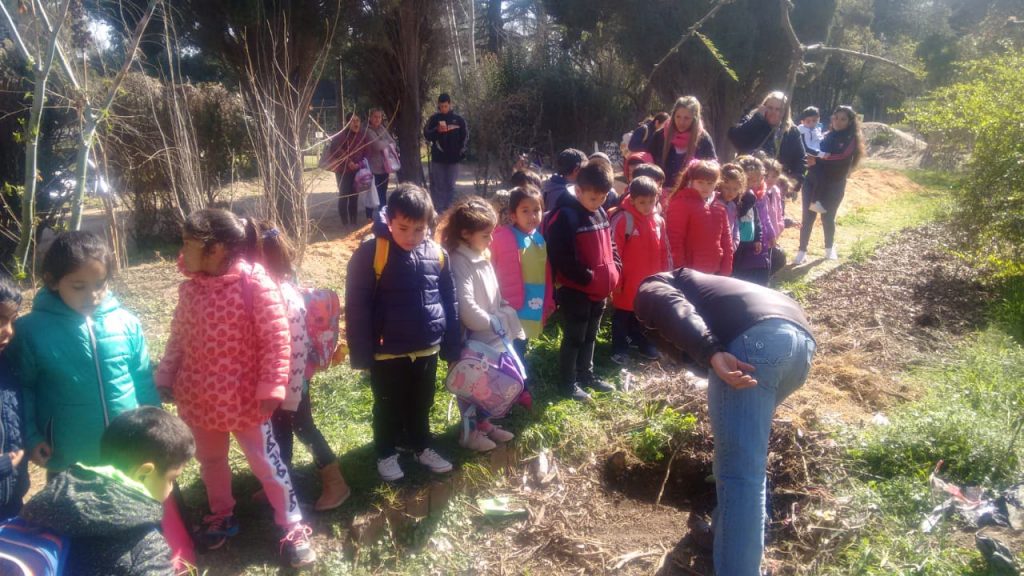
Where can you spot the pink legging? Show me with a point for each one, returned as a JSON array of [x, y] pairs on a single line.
[[261, 452]]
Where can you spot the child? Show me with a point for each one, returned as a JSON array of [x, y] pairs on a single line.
[[612, 201], [634, 160], [82, 358], [226, 367], [585, 269], [111, 513], [776, 209], [698, 229], [520, 258], [752, 261], [295, 415], [733, 182], [13, 464], [810, 132], [398, 323], [467, 238], [639, 235], [567, 167]]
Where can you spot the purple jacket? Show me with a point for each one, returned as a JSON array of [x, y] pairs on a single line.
[[764, 232]]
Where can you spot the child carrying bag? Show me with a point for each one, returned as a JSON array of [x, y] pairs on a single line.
[[489, 379]]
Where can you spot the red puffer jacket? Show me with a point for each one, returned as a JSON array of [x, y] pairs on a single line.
[[644, 252], [698, 234], [229, 348]]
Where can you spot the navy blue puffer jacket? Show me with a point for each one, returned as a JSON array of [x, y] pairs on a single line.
[[413, 308]]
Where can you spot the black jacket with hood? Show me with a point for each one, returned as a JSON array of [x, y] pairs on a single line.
[[111, 522]]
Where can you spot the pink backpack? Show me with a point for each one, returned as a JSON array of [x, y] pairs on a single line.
[[323, 325], [486, 378]]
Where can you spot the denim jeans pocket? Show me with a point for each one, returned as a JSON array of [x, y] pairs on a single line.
[[769, 349]]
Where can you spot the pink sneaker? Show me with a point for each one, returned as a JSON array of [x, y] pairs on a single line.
[[477, 442], [501, 435]]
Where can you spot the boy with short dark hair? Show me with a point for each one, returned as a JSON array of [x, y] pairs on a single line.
[[585, 270], [567, 167], [401, 313], [112, 513]]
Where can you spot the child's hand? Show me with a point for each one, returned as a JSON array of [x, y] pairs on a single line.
[[268, 406], [16, 457], [757, 247], [41, 453], [166, 394]]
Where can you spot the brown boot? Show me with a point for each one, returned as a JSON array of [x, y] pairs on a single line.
[[335, 489]]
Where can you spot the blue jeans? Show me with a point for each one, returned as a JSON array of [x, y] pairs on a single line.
[[741, 421], [442, 184]]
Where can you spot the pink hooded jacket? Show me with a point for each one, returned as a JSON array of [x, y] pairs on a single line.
[[229, 348]]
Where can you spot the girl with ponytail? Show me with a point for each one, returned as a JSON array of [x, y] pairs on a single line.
[[226, 367]]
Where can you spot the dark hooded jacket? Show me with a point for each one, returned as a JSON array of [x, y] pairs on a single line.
[[413, 307], [111, 522]]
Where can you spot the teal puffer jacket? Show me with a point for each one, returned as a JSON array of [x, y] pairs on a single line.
[[78, 374]]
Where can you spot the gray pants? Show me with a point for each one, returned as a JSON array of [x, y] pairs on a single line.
[[442, 184]]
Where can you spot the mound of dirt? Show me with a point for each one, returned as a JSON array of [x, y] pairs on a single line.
[[891, 146]]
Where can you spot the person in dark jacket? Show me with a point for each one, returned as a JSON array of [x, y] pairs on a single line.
[[640, 139], [13, 463], [841, 150], [682, 139], [757, 345], [398, 324], [567, 167], [111, 514], [448, 135], [585, 270], [770, 128]]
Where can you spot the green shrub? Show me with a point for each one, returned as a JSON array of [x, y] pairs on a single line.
[[978, 118], [663, 430]]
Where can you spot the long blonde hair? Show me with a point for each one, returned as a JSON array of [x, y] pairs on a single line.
[[787, 114], [696, 127]]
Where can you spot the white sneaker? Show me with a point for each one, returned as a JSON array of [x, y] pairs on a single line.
[[477, 442], [389, 469], [800, 258], [831, 253], [433, 460], [817, 207]]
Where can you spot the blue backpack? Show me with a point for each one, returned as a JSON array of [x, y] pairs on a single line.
[[28, 550]]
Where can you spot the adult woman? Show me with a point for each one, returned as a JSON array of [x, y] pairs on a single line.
[[377, 141], [347, 149], [841, 150], [770, 128], [757, 346], [686, 139]]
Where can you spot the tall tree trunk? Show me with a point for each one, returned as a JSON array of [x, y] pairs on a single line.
[[495, 26], [410, 109]]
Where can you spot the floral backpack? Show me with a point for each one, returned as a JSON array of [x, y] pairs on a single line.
[[323, 325]]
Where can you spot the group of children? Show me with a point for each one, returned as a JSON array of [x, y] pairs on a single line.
[[75, 370], [236, 359]]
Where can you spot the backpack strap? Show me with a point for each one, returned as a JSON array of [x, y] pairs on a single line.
[[628, 217], [380, 256]]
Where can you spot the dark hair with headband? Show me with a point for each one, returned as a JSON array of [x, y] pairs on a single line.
[[278, 252]]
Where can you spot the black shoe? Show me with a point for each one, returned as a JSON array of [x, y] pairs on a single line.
[[578, 394], [598, 386], [649, 352]]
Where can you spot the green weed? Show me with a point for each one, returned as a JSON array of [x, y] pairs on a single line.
[[662, 431]]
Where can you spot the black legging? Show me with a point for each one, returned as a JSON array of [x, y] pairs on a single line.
[[830, 194], [348, 200], [301, 423]]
